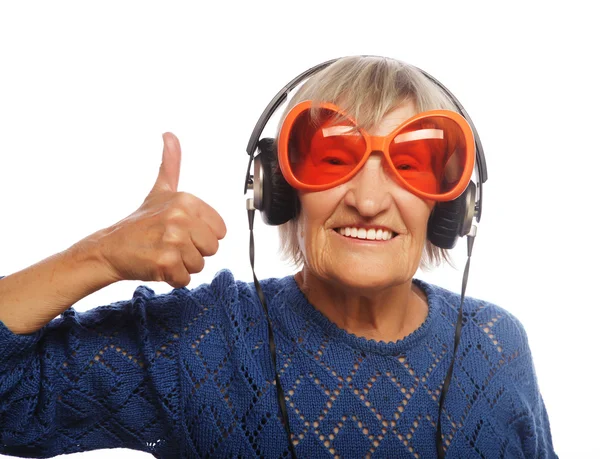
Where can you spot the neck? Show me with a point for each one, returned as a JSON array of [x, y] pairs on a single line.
[[388, 314]]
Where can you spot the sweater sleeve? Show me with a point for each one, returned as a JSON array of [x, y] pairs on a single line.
[[104, 378], [534, 425]]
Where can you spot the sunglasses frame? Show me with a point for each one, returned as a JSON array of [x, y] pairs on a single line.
[[376, 144]]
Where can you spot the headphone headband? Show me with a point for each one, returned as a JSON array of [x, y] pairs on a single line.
[[282, 95], [276, 102]]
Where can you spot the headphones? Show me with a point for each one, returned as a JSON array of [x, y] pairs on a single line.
[[278, 201]]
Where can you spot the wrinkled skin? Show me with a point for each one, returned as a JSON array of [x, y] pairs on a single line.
[[366, 288]]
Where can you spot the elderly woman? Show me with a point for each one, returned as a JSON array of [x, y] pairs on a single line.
[[370, 148]]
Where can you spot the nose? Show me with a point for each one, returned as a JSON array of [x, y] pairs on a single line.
[[370, 189]]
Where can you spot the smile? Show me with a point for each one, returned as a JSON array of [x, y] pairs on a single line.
[[370, 234]]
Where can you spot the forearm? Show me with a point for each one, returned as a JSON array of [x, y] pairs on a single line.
[[31, 298]]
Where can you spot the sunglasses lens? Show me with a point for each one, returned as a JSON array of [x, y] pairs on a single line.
[[430, 154], [323, 147]]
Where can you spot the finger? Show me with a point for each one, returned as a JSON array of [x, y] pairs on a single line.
[[168, 174], [212, 219], [178, 276], [192, 258], [204, 240], [199, 209]]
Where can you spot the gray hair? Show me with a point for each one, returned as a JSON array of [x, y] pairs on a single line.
[[367, 88]]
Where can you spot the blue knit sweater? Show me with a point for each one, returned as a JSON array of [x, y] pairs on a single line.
[[188, 374]]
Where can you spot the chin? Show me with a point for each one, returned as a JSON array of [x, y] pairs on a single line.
[[360, 271], [369, 278]]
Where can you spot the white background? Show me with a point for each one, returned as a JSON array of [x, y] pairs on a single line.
[[87, 88]]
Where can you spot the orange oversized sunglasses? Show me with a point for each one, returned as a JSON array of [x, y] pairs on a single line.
[[432, 154]]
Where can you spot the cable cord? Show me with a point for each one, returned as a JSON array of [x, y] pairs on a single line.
[[278, 385], [280, 395], [459, 322]]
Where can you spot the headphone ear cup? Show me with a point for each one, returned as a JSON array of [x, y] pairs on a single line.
[[452, 219], [279, 201]]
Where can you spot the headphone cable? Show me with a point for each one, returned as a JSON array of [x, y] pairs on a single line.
[[273, 352], [279, 387], [459, 322]]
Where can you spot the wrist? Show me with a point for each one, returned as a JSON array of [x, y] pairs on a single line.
[[88, 255]]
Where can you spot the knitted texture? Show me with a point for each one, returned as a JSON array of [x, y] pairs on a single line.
[[188, 374]]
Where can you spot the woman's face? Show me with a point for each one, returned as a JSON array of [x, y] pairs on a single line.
[[372, 199]]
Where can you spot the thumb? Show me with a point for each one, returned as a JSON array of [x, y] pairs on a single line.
[[168, 174]]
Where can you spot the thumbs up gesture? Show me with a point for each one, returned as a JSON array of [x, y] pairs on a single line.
[[168, 237]]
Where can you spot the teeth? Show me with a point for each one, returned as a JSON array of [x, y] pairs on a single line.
[[362, 233]]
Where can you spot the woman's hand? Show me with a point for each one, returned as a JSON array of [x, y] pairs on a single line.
[[167, 238]]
